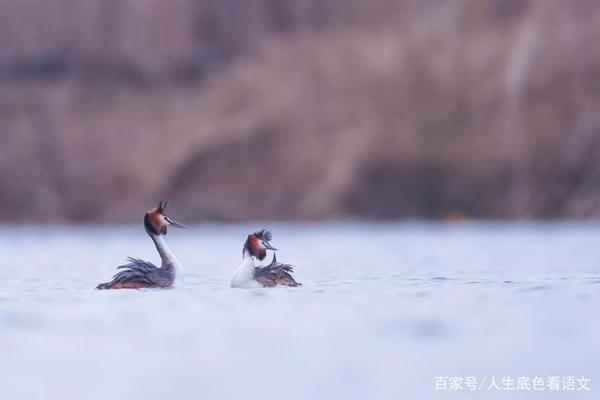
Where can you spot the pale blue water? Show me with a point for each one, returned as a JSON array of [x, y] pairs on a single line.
[[385, 308]]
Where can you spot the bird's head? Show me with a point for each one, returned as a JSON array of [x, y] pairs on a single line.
[[157, 222], [258, 243]]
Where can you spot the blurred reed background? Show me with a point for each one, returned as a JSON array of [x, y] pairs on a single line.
[[299, 109]]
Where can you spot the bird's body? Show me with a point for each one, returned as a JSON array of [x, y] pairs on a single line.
[[138, 274], [275, 274]]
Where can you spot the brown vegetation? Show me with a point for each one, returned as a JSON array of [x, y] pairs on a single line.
[[299, 110]]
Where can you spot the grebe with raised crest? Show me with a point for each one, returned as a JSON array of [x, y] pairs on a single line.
[[247, 275], [138, 273]]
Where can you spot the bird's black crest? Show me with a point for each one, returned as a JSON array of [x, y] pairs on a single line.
[[264, 234], [162, 205]]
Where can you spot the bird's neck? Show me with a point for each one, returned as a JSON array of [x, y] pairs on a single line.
[[244, 274], [247, 260], [169, 261]]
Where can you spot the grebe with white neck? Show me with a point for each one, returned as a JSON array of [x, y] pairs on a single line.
[[138, 273], [247, 275]]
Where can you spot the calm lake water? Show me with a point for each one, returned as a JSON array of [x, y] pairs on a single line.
[[384, 310]]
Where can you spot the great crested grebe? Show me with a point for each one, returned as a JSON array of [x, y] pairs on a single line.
[[274, 274], [143, 274]]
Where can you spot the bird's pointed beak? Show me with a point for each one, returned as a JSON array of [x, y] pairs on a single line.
[[174, 223], [269, 247]]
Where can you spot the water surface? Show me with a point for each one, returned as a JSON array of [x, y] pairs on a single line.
[[385, 308]]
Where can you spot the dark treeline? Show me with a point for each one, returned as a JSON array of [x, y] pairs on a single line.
[[283, 109]]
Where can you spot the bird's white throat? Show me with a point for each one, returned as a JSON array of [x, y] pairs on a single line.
[[243, 277], [168, 259]]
